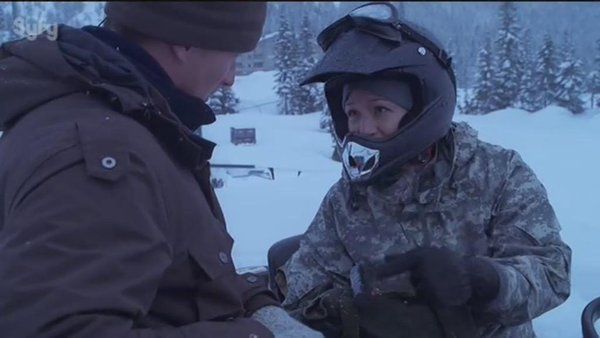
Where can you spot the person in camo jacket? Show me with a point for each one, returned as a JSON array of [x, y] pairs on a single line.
[[430, 231]]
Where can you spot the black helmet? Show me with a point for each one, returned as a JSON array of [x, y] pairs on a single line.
[[372, 41]]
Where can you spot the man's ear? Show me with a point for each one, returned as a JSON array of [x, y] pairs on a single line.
[[180, 53]]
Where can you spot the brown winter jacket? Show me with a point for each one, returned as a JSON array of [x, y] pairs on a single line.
[[108, 224]]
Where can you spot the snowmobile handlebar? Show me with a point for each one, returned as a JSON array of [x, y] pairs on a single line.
[[590, 315]]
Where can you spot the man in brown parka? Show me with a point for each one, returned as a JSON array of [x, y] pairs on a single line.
[[108, 224]]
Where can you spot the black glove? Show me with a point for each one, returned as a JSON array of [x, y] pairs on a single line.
[[332, 313], [384, 314], [484, 280], [443, 277]]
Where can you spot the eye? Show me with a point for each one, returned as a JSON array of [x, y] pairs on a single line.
[[381, 109], [351, 113]]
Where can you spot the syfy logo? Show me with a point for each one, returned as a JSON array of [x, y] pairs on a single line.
[[31, 29]]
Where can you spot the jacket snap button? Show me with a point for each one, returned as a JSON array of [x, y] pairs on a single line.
[[223, 257], [252, 279], [109, 162], [253, 335]]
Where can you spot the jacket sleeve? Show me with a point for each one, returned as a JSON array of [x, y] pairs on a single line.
[[82, 254], [259, 295], [527, 251], [318, 266]]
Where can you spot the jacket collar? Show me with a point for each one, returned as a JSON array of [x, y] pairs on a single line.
[[455, 151], [192, 112], [79, 62]]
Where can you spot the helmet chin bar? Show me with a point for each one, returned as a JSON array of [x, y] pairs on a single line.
[[359, 161]]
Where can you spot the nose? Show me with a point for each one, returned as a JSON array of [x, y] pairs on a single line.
[[367, 126], [229, 78]]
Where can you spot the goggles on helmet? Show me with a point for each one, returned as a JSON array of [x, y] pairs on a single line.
[[379, 19]]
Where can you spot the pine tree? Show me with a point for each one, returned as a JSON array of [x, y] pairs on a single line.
[[297, 106], [451, 49], [566, 48], [284, 64], [224, 101], [326, 123], [5, 25], [12, 13], [325, 120], [466, 106], [91, 13], [545, 74], [305, 98], [528, 93], [570, 80], [337, 149], [483, 101], [319, 95], [594, 77], [509, 68]]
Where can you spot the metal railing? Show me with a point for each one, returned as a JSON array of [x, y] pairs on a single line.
[[257, 106]]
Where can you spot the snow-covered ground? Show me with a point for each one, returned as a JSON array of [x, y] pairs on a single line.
[[561, 148]]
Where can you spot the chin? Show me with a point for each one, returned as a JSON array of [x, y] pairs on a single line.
[[199, 95], [204, 96]]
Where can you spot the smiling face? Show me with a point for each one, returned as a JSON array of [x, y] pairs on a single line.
[[372, 116]]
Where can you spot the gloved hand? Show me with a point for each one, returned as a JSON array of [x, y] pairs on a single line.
[[332, 313], [282, 325], [443, 277], [385, 314]]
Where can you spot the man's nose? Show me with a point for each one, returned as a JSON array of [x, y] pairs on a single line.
[[230, 76]]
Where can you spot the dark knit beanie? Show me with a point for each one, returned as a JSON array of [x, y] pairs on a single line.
[[396, 91], [223, 25]]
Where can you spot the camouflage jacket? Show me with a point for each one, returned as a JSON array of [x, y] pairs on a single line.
[[475, 198]]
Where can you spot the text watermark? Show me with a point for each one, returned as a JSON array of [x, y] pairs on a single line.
[[31, 29]]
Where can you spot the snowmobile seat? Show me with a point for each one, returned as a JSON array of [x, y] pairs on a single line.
[[278, 255]]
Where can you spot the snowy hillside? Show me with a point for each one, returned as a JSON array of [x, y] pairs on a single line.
[[563, 151], [561, 148]]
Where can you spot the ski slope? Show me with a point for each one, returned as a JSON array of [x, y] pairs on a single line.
[[561, 148]]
